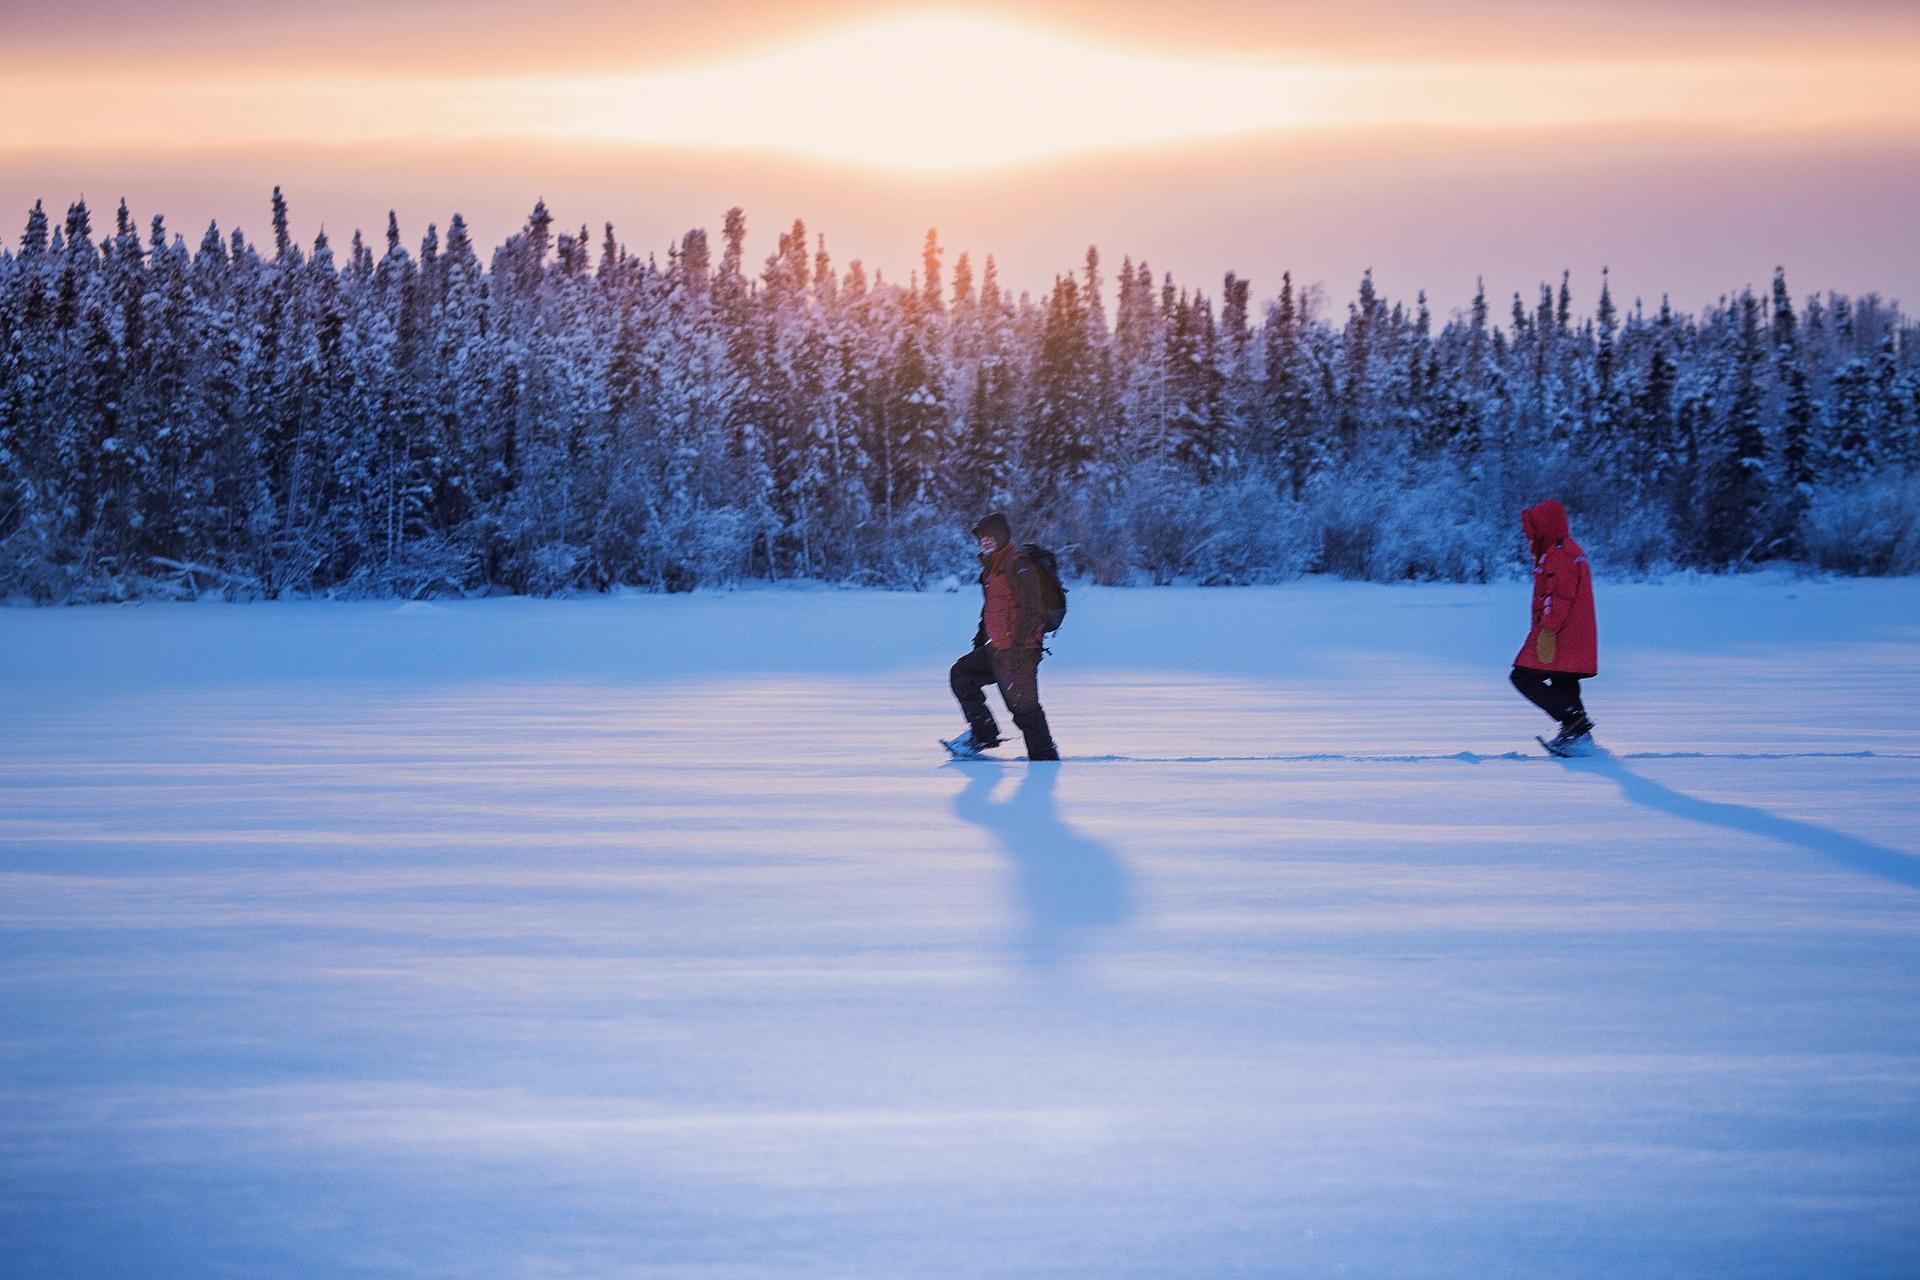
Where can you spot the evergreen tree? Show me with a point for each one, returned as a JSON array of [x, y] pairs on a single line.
[[1062, 425], [33, 241], [1797, 415], [930, 276], [282, 235], [1737, 495], [184, 420], [1294, 420]]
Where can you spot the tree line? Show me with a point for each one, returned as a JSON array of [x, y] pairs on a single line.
[[258, 419]]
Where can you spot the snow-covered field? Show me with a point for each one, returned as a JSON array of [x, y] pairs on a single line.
[[651, 937]]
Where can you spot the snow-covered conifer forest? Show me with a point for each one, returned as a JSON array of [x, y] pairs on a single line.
[[263, 419]]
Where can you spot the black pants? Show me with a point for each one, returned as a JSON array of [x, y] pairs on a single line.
[[1017, 672], [1554, 692]]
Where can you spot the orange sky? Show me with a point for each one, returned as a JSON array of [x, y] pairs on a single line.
[[1686, 147], [463, 36]]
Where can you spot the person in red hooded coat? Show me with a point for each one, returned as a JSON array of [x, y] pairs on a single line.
[[1563, 644]]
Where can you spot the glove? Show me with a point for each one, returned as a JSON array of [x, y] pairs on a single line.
[[1547, 645]]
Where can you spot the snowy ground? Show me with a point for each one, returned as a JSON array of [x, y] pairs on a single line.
[[651, 937]]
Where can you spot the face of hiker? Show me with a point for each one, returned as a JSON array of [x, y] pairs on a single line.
[[988, 544]]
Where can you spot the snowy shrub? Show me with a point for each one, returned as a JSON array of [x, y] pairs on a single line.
[[1628, 542], [33, 565], [1444, 525], [1429, 534], [1093, 537], [547, 568], [1104, 553], [1347, 515], [1161, 516], [1249, 532], [618, 538], [289, 556], [1872, 527], [924, 546], [1240, 529], [699, 546], [1348, 529], [195, 580], [430, 565]]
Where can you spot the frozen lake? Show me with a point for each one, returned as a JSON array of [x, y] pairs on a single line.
[[651, 937]]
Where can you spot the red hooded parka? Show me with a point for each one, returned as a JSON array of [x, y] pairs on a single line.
[[1562, 596]]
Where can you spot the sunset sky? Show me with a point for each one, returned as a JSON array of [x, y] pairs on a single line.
[[1688, 145]]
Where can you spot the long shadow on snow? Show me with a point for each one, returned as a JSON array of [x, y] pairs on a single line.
[[1069, 882], [1849, 851]]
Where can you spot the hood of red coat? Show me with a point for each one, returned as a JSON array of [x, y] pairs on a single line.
[[1544, 523]]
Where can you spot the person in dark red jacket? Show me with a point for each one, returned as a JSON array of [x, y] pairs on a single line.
[[1006, 648], [1563, 644]]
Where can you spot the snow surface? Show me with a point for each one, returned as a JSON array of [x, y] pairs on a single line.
[[650, 936]]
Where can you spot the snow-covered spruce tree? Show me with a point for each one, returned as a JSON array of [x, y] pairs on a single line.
[[1292, 430], [1797, 416], [1649, 454], [222, 419], [1737, 491], [1061, 430], [30, 556]]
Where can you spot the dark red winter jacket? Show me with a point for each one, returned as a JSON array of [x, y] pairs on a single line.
[[1013, 613], [1562, 597]]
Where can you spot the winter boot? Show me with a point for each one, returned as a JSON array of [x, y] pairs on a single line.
[[1576, 735], [1033, 727]]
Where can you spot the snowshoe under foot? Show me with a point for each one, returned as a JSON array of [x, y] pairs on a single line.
[[1580, 744], [966, 747], [1570, 746]]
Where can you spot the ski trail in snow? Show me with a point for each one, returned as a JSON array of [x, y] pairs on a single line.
[[1307, 757], [1766, 755], [1456, 757]]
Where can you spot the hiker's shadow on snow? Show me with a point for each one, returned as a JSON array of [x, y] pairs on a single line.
[[1836, 846], [1068, 882]]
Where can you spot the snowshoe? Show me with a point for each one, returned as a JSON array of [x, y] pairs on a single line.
[[966, 747], [1579, 744], [1573, 740]]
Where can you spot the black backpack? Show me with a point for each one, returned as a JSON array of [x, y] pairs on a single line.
[[1053, 595]]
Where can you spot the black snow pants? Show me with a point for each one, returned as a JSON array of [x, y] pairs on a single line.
[[1017, 672], [1554, 692]]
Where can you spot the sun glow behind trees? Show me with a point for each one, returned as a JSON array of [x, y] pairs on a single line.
[[954, 92], [934, 93]]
